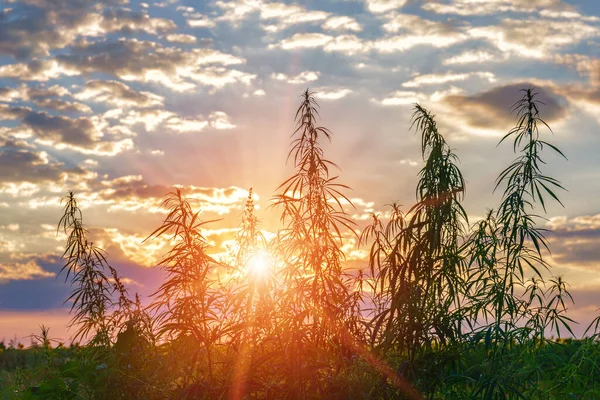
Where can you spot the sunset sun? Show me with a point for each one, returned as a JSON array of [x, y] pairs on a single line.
[[259, 265]]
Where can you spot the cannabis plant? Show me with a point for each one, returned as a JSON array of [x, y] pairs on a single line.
[[317, 305]]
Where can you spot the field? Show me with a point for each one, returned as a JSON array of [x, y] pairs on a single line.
[[443, 308]]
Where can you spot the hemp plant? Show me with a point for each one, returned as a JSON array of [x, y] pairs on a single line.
[[507, 287], [189, 301], [415, 259], [92, 293], [317, 304]]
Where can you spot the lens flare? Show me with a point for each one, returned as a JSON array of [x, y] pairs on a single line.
[[259, 265]]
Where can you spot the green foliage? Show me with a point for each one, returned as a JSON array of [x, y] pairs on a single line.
[[445, 309]]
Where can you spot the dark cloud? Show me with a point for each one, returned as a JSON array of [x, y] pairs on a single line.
[[119, 57], [43, 93], [79, 132], [492, 109], [119, 94], [34, 28], [133, 189], [62, 106], [51, 292], [147, 61], [128, 22], [20, 163], [576, 240], [33, 70]]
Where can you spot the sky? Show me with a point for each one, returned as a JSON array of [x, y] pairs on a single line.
[[120, 100]]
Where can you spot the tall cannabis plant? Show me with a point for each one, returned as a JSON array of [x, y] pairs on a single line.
[[415, 258], [508, 289], [251, 304], [92, 294], [316, 303], [188, 303]]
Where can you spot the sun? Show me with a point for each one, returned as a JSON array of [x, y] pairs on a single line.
[[259, 265]]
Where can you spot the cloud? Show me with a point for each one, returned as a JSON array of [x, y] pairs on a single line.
[[534, 37], [574, 241], [194, 19], [341, 23], [80, 134], [432, 79], [64, 106], [487, 7], [37, 27], [181, 38], [276, 16], [472, 57], [401, 97], [19, 162], [585, 65], [154, 118], [301, 78], [146, 61], [492, 109], [412, 30], [134, 193], [198, 20], [118, 94], [220, 120], [36, 70], [346, 44], [568, 14], [50, 98], [23, 271], [304, 40], [382, 6], [332, 93], [582, 223], [127, 22], [186, 125]]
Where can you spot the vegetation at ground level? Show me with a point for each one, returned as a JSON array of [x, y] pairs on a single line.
[[443, 309]]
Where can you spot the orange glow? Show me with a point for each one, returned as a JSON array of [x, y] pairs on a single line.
[[259, 265]]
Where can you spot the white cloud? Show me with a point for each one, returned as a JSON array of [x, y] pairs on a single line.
[[23, 272], [341, 23], [332, 93], [401, 98], [304, 40], [470, 57], [181, 38], [534, 38], [186, 125], [220, 120], [412, 30], [432, 79], [347, 44], [487, 7], [381, 6], [200, 21], [277, 16], [301, 78]]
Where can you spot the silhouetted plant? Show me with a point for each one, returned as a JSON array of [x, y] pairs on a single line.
[[441, 310], [416, 262], [189, 300], [506, 255], [87, 266], [316, 303]]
